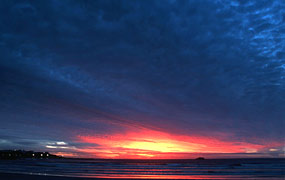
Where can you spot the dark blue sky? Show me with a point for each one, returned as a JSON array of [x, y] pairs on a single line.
[[211, 68]]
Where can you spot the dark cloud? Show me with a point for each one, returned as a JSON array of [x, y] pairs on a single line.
[[82, 67]]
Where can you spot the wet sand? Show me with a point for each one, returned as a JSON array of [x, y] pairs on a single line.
[[78, 169], [12, 176]]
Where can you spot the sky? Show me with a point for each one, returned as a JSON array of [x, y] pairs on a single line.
[[143, 79]]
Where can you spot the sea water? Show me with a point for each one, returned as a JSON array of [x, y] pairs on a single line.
[[150, 169]]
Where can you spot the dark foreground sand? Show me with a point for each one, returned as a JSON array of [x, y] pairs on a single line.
[[10, 176]]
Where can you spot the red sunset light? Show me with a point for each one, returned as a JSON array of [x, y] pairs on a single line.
[[154, 144]]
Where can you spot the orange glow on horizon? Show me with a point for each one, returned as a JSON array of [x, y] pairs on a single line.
[[154, 144]]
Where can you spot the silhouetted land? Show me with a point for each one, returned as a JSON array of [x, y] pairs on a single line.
[[200, 158], [21, 154]]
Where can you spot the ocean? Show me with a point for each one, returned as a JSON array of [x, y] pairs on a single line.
[[150, 169]]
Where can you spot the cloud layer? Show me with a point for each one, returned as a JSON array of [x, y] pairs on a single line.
[[208, 68]]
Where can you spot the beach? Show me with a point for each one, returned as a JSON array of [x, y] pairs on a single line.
[[12, 176]]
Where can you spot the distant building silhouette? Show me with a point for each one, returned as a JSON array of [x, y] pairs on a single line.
[[18, 154]]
